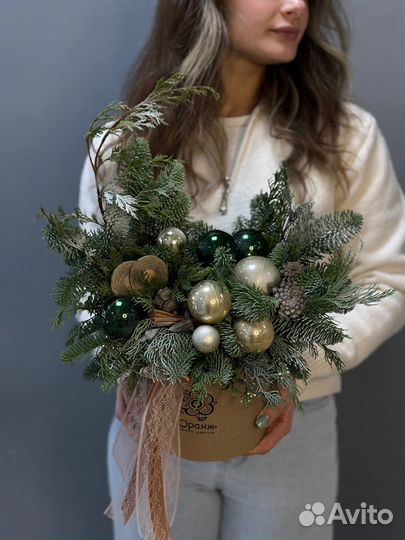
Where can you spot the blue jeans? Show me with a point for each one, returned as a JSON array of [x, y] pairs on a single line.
[[257, 497]]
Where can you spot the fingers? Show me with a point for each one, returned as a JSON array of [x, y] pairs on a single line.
[[279, 427]]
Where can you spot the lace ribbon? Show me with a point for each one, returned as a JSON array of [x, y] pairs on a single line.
[[147, 452]]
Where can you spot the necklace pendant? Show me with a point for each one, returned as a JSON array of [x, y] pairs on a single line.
[[224, 202]]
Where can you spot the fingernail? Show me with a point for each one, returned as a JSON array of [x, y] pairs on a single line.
[[262, 421]]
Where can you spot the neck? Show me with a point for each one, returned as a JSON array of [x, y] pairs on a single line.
[[242, 82]]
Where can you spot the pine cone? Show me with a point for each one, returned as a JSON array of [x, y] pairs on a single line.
[[165, 301], [291, 296], [292, 268]]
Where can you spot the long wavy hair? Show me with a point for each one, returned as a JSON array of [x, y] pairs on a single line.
[[304, 99]]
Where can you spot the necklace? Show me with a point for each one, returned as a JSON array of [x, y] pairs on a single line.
[[223, 209]]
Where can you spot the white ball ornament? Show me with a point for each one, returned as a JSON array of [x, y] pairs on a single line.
[[258, 271], [208, 302], [205, 338]]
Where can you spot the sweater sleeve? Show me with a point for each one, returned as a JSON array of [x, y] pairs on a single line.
[[375, 193], [88, 204], [87, 200]]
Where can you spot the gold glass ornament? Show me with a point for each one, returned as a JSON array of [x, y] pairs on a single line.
[[258, 271], [127, 278], [208, 302], [205, 338], [254, 337], [173, 238]]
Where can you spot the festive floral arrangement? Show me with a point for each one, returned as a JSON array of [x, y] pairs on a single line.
[[177, 298], [173, 299]]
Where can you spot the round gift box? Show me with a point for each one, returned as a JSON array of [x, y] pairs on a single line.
[[221, 428]]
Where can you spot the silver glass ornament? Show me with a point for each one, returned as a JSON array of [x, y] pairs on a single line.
[[258, 271], [205, 338], [208, 302], [254, 337], [173, 238]]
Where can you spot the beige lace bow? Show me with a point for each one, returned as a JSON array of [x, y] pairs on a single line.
[[147, 451]]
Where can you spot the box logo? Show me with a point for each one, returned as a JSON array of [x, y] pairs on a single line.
[[191, 407]]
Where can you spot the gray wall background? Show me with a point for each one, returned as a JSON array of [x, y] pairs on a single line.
[[61, 63]]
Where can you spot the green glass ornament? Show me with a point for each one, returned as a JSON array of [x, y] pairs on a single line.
[[250, 242], [212, 240], [120, 317]]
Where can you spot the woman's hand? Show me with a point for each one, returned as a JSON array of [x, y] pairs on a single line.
[[280, 423], [120, 403]]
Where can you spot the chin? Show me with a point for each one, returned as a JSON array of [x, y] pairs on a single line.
[[275, 55], [285, 59]]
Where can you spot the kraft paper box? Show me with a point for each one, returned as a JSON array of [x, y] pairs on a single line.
[[221, 428]]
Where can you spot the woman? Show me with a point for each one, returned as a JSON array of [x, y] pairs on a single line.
[[283, 91]]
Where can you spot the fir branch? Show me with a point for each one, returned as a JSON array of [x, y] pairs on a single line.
[[261, 378], [358, 293], [223, 265], [135, 345], [63, 237], [194, 230], [250, 303], [300, 215], [172, 353], [240, 223], [280, 254], [82, 329], [187, 276], [209, 369], [313, 283], [328, 287], [219, 366], [229, 341], [93, 369], [83, 346], [270, 211], [333, 358], [70, 289], [312, 239], [108, 365], [321, 329], [286, 353], [83, 218], [201, 380], [135, 165], [67, 291], [105, 242], [148, 113]]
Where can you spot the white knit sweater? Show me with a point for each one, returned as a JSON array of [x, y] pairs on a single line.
[[374, 192]]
